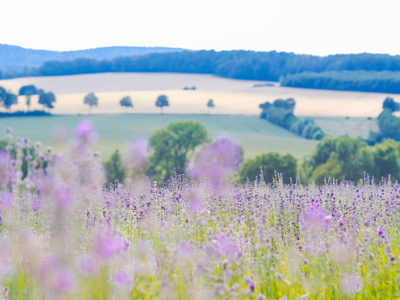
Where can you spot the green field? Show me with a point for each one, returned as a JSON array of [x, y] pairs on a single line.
[[254, 134]]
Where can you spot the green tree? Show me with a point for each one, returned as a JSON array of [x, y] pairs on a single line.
[[126, 102], [172, 145], [9, 100], [91, 100], [341, 158], [28, 91], [115, 169], [210, 104], [47, 100], [162, 101], [270, 162], [387, 159]]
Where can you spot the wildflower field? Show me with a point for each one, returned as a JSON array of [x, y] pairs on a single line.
[[65, 234]]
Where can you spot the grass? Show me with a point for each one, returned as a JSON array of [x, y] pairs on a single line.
[[255, 135], [351, 126]]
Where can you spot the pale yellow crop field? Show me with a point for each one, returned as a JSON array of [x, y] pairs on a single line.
[[230, 96]]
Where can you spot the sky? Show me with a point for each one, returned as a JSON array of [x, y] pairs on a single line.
[[319, 27]]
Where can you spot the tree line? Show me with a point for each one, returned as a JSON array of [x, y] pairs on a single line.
[[363, 81], [342, 158], [8, 99], [238, 64], [280, 112], [47, 100]]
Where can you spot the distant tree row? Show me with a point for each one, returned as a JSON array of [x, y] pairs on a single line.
[[8, 99], [237, 64], [280, 113], [363, 81], [162, 101]]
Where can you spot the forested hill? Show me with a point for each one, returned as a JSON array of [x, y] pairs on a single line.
[[240, 64], [17, 58]]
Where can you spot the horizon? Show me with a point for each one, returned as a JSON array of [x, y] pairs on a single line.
[[186, 49], [299, 26]]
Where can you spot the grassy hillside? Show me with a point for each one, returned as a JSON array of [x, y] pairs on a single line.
[[255, 135]]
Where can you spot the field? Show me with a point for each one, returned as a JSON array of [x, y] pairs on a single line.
[[64, 236], [255, 135], [230, 96]]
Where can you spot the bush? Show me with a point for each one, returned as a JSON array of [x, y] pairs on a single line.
[[270, 163], [115, 169], [280, 113]]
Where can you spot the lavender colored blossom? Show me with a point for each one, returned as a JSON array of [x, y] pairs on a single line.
[[315, 218], [184, 249], [227, 246], [87, 265], [66, 280], [121, 278], [351, 284], [138, 152], [252, 286], [63, 196], [36, 203], [216, 159], [84, 132], [107, 245], [6, 200], [48, 262]]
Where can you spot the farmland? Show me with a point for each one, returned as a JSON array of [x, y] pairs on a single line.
[[230, 96], [255, 135]]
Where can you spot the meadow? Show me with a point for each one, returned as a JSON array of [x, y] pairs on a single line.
[[65, 235], [230, 96], [256, 136]]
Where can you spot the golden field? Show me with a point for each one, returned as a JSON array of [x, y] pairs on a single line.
[[230, 96]]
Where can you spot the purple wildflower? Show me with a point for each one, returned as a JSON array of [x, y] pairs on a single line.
[[107, 246], [66, 280], [87, 265], [6, 200], [227, 246], [121, 278], [184, 249], [214, 160], [252, 286], [84, 132], [63, 197]]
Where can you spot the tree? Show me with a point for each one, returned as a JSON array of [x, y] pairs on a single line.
[[162, 101], [28, 91], [270, 162], [115, 169], [3, 93], [91, 100], [172, 145], [210, 104], [47, 100], [126, 101], [341, 158], [9, 100]]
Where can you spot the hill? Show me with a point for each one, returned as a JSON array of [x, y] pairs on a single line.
[[240, 64], [18, 58]]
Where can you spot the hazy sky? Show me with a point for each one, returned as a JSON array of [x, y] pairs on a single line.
[[302, 26]]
